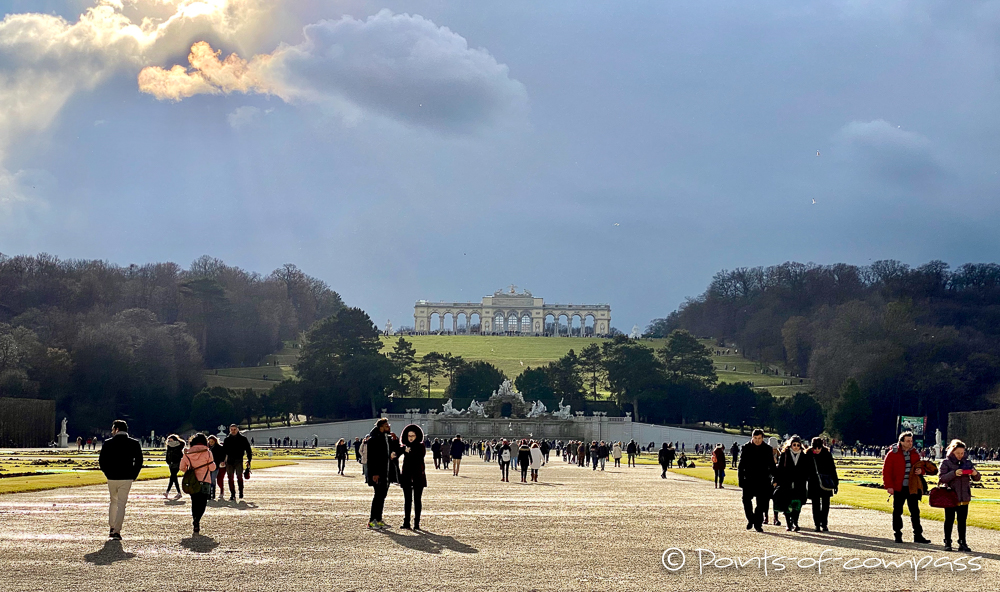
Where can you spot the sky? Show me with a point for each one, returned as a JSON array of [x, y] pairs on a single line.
[[591, 152]]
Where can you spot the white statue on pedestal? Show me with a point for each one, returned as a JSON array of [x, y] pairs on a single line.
[[938, 449], [564, 411], [449, 409], [388, 327], [476, 409], [537, 409], [635, 332], [63, 435]]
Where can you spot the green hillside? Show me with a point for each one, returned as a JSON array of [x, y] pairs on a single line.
[[511, 354]]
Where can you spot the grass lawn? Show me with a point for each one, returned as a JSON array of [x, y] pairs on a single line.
[[512, 355], [854, 473], [55, 472]]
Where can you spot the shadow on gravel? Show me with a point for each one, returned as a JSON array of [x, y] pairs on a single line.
[[110, 553], [877, 544], [199, 543], [429, 542], [173, 502], [241, 505]]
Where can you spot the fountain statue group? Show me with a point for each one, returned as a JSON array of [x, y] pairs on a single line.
[[506, 394]]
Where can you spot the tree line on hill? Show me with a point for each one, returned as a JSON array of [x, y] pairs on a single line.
[[878, 341], [107, 341], [342, 373]]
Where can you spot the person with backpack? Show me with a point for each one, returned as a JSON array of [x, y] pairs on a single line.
[[173, 455], [341, 455], [413, 474], [503, 458], [957, 472], [719, 465], [218, 474], [120, 461], [198, 463], [236, 446], [457, 450], [823, 483]]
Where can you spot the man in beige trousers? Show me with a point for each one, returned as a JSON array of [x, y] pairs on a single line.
[[120, 461]]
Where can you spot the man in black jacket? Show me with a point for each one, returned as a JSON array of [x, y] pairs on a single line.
[[381, 450], [236, 445], [756, 477], [631, 450], [120, 461]]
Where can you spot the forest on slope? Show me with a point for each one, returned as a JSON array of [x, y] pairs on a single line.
[[106, 341], [878, 341]]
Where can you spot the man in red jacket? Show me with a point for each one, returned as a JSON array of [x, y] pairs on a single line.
[[896, 475]]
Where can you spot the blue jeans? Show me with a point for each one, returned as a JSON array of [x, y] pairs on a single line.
[[215, 475]]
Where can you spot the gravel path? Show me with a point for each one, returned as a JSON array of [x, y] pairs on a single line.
[[303, 527]]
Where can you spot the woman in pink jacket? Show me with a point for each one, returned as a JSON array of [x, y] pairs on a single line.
[[199, 458]]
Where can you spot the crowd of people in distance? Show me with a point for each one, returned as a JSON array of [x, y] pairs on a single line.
[[776, 480]]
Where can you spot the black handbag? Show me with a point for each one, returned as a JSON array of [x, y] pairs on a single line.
[[826, 482]]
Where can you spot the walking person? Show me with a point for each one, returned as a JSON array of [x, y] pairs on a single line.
[[524, 459], [897, 470], [381, 453], [436, 452], [662, 457], [503, 459], [957, 472], [199, 458], [735, 452], [793, 479], [823, 483], [631, 450], [719, 465], [120, 461], [341, 454], [219, 456], [537, 459], [413, 474], [446, 453], [173, 455], [602, 453], [457, 451], [616, 453], [236, 446], [755, 473], [776, 452]]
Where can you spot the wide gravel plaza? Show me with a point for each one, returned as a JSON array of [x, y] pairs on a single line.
[[303, 527]]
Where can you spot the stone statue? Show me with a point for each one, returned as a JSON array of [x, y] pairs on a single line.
[[63, 435], [635, 332], [537, 409], [938, 448], [449, 409], [388, 327], [564, 411], [476, 409]]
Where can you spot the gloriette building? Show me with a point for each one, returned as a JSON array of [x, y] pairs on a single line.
[[509, 312]]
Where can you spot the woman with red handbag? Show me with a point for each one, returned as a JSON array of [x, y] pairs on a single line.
[[957, 472]]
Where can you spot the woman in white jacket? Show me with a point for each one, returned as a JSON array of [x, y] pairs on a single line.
[[536, 461], [616, 453]]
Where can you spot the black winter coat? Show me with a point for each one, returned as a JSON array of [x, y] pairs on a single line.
[[824, 464], [218, 454], [121, 457], [793, 478], [236, 446], [380, 447], [341, 451], [174, 454], [665, 457], [756, 467], [413, 472]]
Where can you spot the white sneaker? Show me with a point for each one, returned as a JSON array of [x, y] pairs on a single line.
[[177, 497]]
